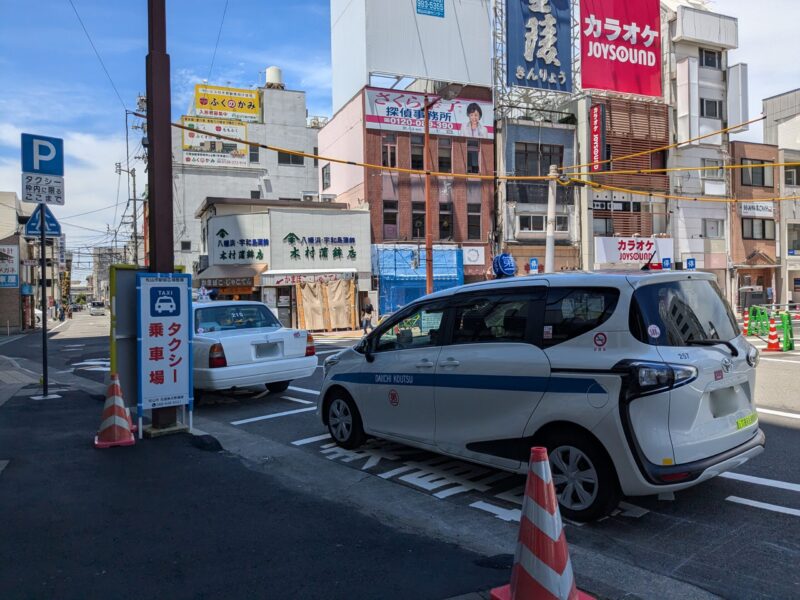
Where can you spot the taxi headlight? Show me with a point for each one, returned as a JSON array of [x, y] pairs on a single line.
[[753, 356], [328, 363]]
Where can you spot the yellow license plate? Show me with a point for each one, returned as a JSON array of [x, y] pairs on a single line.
[[746, 421]]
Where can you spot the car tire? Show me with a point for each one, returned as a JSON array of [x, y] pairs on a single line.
[[344, 421], [586, 483], [276, 387]]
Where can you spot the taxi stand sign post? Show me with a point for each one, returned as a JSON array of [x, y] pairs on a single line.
[[164, 341]]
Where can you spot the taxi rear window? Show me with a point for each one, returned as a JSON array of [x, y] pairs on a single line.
[[226, 318]]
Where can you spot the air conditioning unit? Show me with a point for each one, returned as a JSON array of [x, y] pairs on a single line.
[[328, 197], [309, 197]]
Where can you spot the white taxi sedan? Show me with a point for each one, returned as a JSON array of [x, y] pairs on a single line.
[[239, 344]]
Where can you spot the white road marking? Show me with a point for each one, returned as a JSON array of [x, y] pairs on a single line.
[[783, 485], [311, 440], [783, 360], [274, 416], [56, 327], [13, 338], [778, 413], [304, 390], [764, 505], [297, 400]]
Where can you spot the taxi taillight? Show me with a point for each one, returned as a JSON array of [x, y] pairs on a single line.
[[310, 349], [216, 357]]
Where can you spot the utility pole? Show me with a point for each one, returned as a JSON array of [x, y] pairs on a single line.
[[550, 242], [428, 203], [132, 173], [159, 161]]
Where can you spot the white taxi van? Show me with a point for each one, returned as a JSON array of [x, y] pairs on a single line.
[[240, 344], [637, 383]]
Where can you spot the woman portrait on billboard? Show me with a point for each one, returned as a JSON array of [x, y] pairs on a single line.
[[473, 128]]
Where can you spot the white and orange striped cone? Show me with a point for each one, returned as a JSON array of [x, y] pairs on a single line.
[[746, 324], [542, 568], [115, 428], [773, 344]]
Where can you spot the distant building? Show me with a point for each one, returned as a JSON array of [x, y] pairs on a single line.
[[102, 259]]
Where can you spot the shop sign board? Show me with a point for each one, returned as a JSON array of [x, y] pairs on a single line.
[[226, 103], [275, 280], [200, 147], [392, 110], [164, 335], [9, 266], [597, 137], [632, 250], [539, 44], [238, 239], [621, 46], [757, 209], [431, 8]]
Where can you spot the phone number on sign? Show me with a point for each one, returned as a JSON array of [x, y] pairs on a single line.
[[405, 122]]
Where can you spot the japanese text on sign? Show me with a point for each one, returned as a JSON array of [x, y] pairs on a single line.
[[42, 188]]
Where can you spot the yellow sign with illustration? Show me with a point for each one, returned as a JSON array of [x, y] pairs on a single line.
[[226, 103], [202, 147]]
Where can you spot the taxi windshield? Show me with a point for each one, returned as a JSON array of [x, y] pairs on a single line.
[[677, 313], [226, 318]]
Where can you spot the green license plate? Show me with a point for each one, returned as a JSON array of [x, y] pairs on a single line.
[[746, 421]]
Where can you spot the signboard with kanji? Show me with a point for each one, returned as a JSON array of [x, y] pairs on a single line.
[[200, 147], [9, 266], [632, 250], [42, 169], [164, 340], [227, 103]]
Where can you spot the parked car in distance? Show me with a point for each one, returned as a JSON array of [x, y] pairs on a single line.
[[239, 344], [97, 308]]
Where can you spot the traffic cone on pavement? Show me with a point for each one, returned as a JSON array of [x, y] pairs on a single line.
[[115, 427], [746, 324], [542, 568], [773, 344]]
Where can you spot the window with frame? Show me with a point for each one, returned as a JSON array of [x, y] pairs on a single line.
[[417, 152], [758, 229], [418, 220], [791, 176], [326, 176], [415, 329], [255, 194], [445, 155], [473, 156], [487, 319], [710, 109], [712, 169], [793, 237], [389, 150], [390, 230], [445, 220], [711, 59], [757, 176], [473, 221], [253, 154], [573, 311], [535, 159], [538, 223], [316, 159], [603, 227], [284, 158], [713, 228], [658, 160], [186, 246]]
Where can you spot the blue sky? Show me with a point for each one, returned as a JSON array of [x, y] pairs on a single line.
[[53, 84]]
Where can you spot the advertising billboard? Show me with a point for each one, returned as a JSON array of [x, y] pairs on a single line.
[[9, 266], [621, 46], [597, 137], [199, 148], [539, 47], [631, 250], [226, 103], [391, 110]]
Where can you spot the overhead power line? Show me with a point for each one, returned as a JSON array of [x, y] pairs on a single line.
[[99, 58], [216, 45]]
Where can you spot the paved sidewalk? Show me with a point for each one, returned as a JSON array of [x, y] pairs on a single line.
[[165, 519]]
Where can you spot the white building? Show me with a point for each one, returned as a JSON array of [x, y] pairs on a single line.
[[283, 122], [704, 94]]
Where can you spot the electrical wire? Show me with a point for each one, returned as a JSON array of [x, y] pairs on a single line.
[[216, 45]]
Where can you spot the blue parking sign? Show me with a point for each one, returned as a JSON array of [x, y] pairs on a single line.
[[165, 301], [42, 155]]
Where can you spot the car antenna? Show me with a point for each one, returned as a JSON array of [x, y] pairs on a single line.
[[646, 266]]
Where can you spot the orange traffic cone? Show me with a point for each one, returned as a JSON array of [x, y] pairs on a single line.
[[115, 428], [542, 568], [746, 324], [773, 344]]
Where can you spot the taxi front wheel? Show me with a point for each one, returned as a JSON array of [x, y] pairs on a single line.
[[583, 475], [344, 422]]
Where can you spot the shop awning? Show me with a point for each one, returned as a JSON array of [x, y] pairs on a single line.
[[217, 276]]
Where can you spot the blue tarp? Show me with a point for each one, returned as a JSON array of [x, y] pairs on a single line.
[[401, 274]]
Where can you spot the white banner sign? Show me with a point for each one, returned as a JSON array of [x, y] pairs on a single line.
[[238, 239], [764, 210], [200, 148], [165, 340], [391, 110], [9, 267], [630, 250]]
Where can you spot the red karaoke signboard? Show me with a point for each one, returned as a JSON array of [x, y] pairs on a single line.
[[621, 46]]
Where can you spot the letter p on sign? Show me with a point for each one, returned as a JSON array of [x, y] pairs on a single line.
[[42, 155]]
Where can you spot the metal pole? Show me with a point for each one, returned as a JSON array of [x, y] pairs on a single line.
[[428, 207], [550, 242], [43, 257], [159, 161], [135, 223]]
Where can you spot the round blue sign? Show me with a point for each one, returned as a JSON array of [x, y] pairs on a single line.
[[504, 265]]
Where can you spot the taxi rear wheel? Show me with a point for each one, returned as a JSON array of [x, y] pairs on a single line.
[[583, 475], [344, 422], [277, 387]]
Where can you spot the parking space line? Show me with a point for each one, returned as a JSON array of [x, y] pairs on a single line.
[[311, 440], [297, 400], [764, 505], [273, 416], [778, 413], [783, 485], [304, 390], [783, 360]]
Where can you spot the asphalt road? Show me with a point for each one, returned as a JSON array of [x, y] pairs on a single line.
[[736, 536]]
